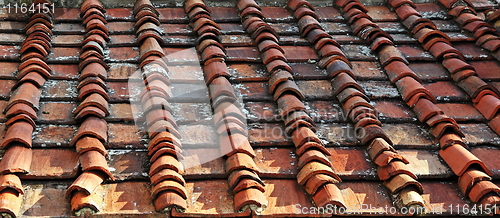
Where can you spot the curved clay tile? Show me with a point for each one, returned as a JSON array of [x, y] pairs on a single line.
[[228, 118], [355, 103], [93, 131], [169, 191], [458, 158], [22, 108]]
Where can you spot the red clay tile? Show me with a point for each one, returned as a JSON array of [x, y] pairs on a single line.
[[394, 168], [166, 162], [240, 161], [205, 43], [90, 111], [304, 135], [288, 103], [313, 155], [439, 49], [166, 200], [440, 128], [34, 68], [329, 195], [162, 126], [485, 38], [167, 174], [91, 89], [235, 143], [89, 143], [469, 179], [81, 202], [460, 159], [396, 70], [425, 109], [308, 23], [317, 181], [454, 65], [96, 100], [288, 87], [404, 11], [21, 108], [169, 186], [389, 53], [278, 65], [87, 182], [236, 176], [343, 81], [400, 182], [93, 126], [11, 181], [95, 161], [409, 87], [355, 5], [303, 11], [26, 93], [17, 159], [450, 139], [361, 24], [473, 85], [247, 184], [337, 67], [397, 3], [251, 11], [313, 168], [482, 188], [315, 35], [252, 199], [465, 18], [20, 118], [10, 202], [19, 132], [460, 75], [295, 4], [311, 145], [387, 157]]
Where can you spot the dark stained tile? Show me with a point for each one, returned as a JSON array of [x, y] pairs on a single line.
[[125, 136], [365, 70], [490, 157], [429, 70], [352, 163], [64, 71], [479, 134], [380, 90], [328, 14], [119, 14], [316, 89], [471, 51], [172, 15], [277, 14], [39, 197], [415, 53], [9, 52], [120, 27], [393, 111], [268, 134], [53, 135], [128, 164], [381, 13], [446, 91], [56, 112], [461, 112], [224, 14], [431, 11], [443, 197], [408, 136], [53, 163]]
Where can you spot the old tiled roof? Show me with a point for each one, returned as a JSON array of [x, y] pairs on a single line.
[[267, 108]]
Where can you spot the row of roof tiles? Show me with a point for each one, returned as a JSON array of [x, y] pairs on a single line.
[[176, 214]]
